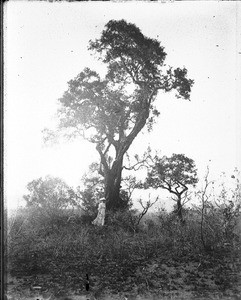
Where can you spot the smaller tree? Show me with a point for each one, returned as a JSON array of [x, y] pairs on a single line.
[[50, 194], [204, 195], [175, 174]]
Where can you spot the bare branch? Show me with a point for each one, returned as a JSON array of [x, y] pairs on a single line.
[[146, 207]]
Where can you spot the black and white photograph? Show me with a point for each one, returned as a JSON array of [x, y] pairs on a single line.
[[122, 150]]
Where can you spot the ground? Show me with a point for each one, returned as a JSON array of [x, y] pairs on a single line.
[[207, 279]]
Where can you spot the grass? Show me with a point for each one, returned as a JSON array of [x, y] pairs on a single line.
[[161, 260]]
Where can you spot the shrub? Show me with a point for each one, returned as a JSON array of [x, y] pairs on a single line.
[[123, 219]]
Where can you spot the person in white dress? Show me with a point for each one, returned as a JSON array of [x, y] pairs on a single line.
[[100, 219]]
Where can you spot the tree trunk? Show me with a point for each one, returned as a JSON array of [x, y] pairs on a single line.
[[112, 175], [179, 209], [113, 186]]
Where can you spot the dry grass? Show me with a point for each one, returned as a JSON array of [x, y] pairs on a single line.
[[162, 260]]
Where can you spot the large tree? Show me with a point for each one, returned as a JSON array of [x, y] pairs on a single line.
[[111, 111], [175, 174]]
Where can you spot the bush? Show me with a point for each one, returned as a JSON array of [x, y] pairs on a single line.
[[119, 256], [123, 219], [84, 219]]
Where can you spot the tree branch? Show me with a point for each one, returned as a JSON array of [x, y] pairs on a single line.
[[140, 163], [140, 123], [102, 157]]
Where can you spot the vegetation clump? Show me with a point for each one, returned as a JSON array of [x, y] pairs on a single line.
[[200, 258]]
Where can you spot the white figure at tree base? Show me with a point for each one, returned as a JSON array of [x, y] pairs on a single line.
[[100, 219]]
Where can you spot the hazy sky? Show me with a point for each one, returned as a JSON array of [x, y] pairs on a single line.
[[46, 45]]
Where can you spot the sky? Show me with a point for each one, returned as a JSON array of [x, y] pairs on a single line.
[[45, 46]]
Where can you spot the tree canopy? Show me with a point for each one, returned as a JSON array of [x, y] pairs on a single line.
[[173, 173], [111, 111]]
